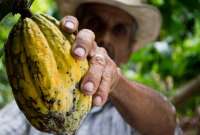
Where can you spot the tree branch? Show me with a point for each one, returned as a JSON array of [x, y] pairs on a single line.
[[186, 92]]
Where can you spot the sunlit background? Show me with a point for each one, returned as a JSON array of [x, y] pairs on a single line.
[[170, 65]]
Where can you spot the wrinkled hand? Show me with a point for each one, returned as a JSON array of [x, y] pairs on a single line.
[[103, 74]]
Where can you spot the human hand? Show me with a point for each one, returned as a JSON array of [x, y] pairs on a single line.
[[103, 74]]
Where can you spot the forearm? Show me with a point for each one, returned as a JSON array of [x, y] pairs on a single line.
[[143, 108]]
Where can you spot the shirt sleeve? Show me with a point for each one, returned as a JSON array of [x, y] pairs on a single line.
[[12, 121]]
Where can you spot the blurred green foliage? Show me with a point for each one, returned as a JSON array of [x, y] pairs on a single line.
[[164, 65], [175, 59]]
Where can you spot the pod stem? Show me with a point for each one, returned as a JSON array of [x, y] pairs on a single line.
[[22, 7], [15, 6], [25, 13]]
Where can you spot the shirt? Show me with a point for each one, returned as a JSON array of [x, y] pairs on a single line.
[[100, 121]]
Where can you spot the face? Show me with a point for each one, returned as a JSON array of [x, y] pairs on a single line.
[[113, 29]]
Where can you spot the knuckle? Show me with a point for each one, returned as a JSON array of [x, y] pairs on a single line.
[[98, 59], [104, 86], [109, 73], [92, 76], [101, 91], [87, 33], [107, 76], [102, 50], [84, 39]]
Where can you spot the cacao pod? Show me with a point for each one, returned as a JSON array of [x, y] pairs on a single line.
[[44, 76]]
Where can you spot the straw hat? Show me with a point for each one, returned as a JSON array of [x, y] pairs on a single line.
[[147, 17]]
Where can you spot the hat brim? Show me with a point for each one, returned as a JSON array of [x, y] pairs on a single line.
[[148, 17]]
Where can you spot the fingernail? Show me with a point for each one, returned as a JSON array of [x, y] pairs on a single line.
[[97, 100], [69, 25], [89, 86], [79, 52]]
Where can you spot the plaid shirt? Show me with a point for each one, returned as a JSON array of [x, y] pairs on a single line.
[[100, 121]]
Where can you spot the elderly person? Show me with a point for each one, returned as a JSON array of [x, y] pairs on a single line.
[[109, 31]]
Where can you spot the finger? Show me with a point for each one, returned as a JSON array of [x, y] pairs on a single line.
[[101, 95], [83, 44], [115, 73], [69, 24], [92, 78]]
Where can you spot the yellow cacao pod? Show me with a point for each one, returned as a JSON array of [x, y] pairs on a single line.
[[44, 76]]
